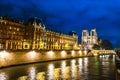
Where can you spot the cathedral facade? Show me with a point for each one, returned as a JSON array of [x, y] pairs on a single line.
[[89, 39]]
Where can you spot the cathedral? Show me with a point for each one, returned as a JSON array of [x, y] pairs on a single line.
[[89, 39]]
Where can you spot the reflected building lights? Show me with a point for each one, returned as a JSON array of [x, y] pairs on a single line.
[[3, 76], [32, 73], [85, 64], [40, 76], [113, 57], [80, 62], [50, 72], [73, 66], [23, 78], [80, 66], [63, 68], [85, 68]]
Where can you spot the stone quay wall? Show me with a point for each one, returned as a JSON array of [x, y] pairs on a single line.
[[10, 58]]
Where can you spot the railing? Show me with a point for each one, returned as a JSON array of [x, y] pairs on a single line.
[[103, 52]]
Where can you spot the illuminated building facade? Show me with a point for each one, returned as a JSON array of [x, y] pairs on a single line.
[[11, 33], [91, 39], [37, 37], [15, 35]]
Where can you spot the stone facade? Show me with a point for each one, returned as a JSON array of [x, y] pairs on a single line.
[[91, 39], [14, 35]]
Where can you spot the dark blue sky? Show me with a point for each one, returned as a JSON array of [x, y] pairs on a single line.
[[67, 15]]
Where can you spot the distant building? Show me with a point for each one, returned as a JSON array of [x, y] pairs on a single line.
[[89, 39], [15, 35]]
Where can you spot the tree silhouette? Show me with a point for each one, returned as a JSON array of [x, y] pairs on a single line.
[[105, 44]]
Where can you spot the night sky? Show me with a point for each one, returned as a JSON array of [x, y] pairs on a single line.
[[67, 15]]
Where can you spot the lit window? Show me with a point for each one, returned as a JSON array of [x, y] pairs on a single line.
[[17, 29], [10, 27]]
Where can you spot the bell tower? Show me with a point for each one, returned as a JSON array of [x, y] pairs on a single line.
[[93, 36], [85, 36]]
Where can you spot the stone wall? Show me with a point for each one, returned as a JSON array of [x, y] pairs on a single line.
[[10, 58]]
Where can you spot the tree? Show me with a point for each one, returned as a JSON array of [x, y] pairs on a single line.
[[105, 44]]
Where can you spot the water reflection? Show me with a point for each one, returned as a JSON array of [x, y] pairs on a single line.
[[32, 73], [92, 68], [63, 68], [3, 76], [73, 69], [50, 72], [40, 76]]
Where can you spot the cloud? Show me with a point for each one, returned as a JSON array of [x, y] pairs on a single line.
[[66, 15]]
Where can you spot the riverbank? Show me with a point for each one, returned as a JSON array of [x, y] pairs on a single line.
[[12, 58]]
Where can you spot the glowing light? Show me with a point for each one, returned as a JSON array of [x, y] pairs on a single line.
[[63, 53], [32, 54], [3, 54], [50, 53], [80, 52], [95, 54], [5, 57], [73, 52], [85, 52]]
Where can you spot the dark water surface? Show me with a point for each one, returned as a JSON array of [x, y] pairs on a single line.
[[88, 68]]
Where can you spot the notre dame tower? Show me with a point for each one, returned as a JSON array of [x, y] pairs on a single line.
[[91, 38]]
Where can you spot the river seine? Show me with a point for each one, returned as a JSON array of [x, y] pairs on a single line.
[[87, 68]]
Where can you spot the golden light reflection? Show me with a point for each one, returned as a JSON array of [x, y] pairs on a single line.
[[57, 73], [85, 64], [80, 62], [73, 69], [67, 73], [32, 73], [3, 76], [63, 53], [63, 68], [80, 66], [40, 76], [23, 78], [50, 72]]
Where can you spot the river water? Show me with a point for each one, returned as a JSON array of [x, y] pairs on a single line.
[[88, 68]]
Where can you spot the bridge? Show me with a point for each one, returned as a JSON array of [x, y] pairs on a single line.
[[99, 52]]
